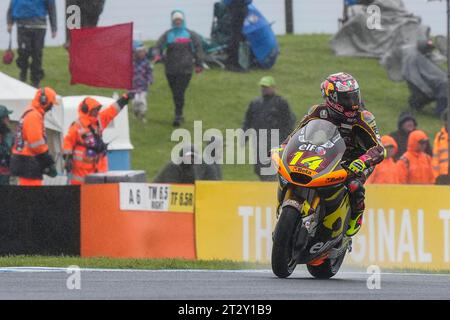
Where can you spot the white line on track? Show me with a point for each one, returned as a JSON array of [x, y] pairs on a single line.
[[53, 269]]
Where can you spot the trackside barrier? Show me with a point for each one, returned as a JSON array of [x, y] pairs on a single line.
[[40, 221], [404, 226], [141, 220]]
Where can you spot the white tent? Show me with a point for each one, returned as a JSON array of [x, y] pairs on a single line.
[[16, 96]]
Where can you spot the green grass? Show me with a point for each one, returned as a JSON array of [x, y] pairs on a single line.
[[109, 263], [221, 98]]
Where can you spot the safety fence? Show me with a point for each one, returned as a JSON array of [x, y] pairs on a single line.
[[404, 226]]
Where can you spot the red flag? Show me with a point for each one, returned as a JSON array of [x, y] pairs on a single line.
[[102, 56]]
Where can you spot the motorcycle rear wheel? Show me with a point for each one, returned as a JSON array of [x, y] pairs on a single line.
[[328, 269], [283, 240]]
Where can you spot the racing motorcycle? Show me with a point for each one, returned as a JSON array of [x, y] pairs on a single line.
[[314, 202]]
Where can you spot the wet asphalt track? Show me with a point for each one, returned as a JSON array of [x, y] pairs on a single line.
[[25, 283]]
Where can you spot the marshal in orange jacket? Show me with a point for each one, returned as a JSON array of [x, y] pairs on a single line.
[[84, 149], [387, 171], [440, 153], [415, 165], [30, 157]]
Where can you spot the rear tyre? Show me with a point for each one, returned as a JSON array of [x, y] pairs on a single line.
[[327, 269], [282, 264]]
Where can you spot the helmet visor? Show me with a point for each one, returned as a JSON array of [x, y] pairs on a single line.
[[350, 101]]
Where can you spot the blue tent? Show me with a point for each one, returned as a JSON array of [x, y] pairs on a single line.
[[262, 39]]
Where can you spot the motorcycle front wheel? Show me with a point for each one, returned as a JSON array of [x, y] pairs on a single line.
[[283, 241]]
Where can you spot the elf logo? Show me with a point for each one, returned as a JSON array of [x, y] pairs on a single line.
[[307, 147]]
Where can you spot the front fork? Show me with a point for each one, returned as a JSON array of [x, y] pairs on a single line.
[[304, 204]]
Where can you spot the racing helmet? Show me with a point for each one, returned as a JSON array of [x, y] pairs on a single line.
[[342, 94]]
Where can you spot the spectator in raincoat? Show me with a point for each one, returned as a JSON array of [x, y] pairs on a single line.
[[407, 123], [427, 82], [188, 171], [267, 112], [387, 171], [182, 50], [440, 150], [415, 164]]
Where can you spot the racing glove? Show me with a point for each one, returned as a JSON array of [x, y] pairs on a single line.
[[357, 166]]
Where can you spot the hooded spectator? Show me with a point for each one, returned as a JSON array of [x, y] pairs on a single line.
[[31, 20], [387, 171], [182, 50], [270, 111], [6, 143], [187, 172], [440, 150], [415, 165], [427, 82], [406, 124]]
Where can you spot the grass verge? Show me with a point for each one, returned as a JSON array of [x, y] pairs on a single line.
[[109, 263]]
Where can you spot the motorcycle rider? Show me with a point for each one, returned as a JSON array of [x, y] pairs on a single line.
[[343, 107]]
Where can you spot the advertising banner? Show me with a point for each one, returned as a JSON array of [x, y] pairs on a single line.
[[404, 226], [111, 227]]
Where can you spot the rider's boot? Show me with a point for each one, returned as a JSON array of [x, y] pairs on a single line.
[[355, 222], [357, 193]]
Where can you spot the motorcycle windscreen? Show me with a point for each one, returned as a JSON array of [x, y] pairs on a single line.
[[315, 148]]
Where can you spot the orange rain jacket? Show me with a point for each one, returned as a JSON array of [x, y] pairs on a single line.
[[440, 153], [387, 171], [415, 166], [30, 155], [84, 144]]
